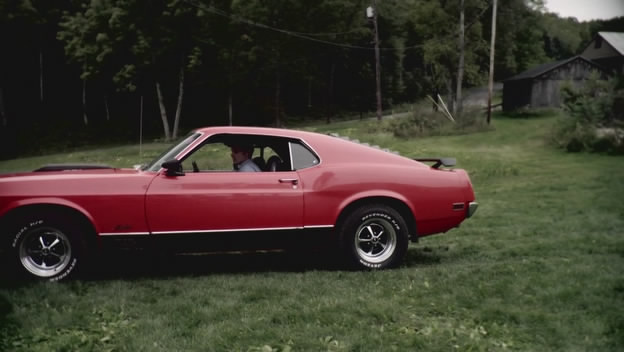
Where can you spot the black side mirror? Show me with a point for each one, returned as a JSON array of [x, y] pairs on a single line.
[[173, 167]]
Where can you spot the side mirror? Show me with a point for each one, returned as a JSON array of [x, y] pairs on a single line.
[[173, 167]]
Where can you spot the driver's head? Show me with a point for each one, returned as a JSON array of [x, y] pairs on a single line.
[[241, 153]]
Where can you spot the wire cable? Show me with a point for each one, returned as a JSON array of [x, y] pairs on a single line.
[[310, 36]]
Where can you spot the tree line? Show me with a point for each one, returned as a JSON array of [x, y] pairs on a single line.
[[73, 70]]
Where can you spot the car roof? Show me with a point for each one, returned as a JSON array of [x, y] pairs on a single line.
[[269, 131], [330, 148]]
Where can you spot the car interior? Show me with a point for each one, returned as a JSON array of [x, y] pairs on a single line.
[[271, 154]]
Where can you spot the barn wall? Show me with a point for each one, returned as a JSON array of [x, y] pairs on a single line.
[[546, 93], [546, 90]]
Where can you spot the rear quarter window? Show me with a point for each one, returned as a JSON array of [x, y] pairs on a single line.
[[302, 157]]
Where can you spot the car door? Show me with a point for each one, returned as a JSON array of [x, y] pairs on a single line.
[[224, 201]]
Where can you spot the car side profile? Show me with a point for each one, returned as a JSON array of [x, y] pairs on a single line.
[[312, 189]]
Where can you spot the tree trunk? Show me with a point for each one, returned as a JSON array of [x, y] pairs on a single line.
[[163, 112], [176, 122], [309, 92], [278, 123], [230, 108], [491, 76], [457, 108], [451, 98], [230, 75], [41, 75], [85, 118], [330, 93], [5, 121], [106, 108], [377, 63], [141, 127]]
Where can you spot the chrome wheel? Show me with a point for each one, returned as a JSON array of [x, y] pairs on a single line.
[[45, 251], [375, 240], [374, 236]]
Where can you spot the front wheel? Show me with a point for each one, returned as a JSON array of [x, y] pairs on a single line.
[[375, 237], [46, 248]]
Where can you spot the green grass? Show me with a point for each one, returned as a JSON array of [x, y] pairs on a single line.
[[538, 268]]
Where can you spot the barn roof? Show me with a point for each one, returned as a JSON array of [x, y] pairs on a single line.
[[545, 68]]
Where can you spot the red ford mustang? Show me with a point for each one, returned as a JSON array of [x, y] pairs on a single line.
[[312, 188]]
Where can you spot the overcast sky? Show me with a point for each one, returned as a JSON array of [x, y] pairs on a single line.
[[585, 10]]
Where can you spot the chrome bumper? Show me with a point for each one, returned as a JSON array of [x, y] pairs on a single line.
[[472, 208]]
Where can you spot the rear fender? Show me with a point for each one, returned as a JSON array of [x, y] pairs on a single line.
[[396, 200]]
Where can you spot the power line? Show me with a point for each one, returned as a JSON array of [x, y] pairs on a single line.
[[310, 36], [306, 36]]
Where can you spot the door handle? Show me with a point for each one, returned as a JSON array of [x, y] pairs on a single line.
[[294, 181]]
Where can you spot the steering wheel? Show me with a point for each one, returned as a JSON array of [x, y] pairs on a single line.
[[195, 167]]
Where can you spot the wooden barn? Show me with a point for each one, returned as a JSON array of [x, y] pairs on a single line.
[[540, 86], [607, 50]]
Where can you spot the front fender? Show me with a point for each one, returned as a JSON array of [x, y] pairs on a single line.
[[45, 201]]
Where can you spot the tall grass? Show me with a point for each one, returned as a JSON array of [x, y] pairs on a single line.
[[538, 268]]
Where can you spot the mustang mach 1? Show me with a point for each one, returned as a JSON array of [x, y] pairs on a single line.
[[316, 189]]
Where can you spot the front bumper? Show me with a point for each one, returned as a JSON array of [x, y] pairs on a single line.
[[472, 208]]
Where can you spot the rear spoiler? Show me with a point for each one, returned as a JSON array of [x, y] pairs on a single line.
[[67, 167], [447, 162]]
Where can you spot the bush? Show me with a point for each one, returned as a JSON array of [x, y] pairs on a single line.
[[530, 113], [594, 118], [422, 123]]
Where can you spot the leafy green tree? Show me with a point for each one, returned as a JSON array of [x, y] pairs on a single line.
[[562, 37], [593, 102], [259, 60], [25, 27], [13, 15], [436, 25], [136, 42], [519, 43], [342, 22]]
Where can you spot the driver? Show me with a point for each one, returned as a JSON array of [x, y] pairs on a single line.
[[241, 158]]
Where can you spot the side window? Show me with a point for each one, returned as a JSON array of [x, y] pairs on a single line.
[[302, 157], [209, 157], [270, 153]]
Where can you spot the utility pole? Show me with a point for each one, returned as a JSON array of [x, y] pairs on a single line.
[[491, 80], [457, 107], [371, 13]]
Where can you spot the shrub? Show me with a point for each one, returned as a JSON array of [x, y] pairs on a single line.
[[594, 118], [529, 113], [430, 123]]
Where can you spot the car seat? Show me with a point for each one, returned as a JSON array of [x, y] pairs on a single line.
[[274, 164], [260, 162]]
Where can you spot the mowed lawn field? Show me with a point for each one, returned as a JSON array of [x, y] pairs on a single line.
[[538, 268]]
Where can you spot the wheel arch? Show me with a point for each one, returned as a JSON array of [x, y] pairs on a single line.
[[397, 204], [83, 222]]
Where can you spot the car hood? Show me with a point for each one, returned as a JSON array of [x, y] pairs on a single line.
[[66, 173]]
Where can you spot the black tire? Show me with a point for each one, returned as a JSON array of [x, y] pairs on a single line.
[[47, 248], [374, 237]]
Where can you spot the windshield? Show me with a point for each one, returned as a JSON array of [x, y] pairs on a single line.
[[171, 153]]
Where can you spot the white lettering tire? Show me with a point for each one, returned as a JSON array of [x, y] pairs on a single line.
[[374, 237], [46, 248]]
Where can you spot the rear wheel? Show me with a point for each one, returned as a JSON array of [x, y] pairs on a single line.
[[374, 236], [47, 248]]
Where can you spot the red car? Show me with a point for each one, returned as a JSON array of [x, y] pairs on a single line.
[[313, 189]]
